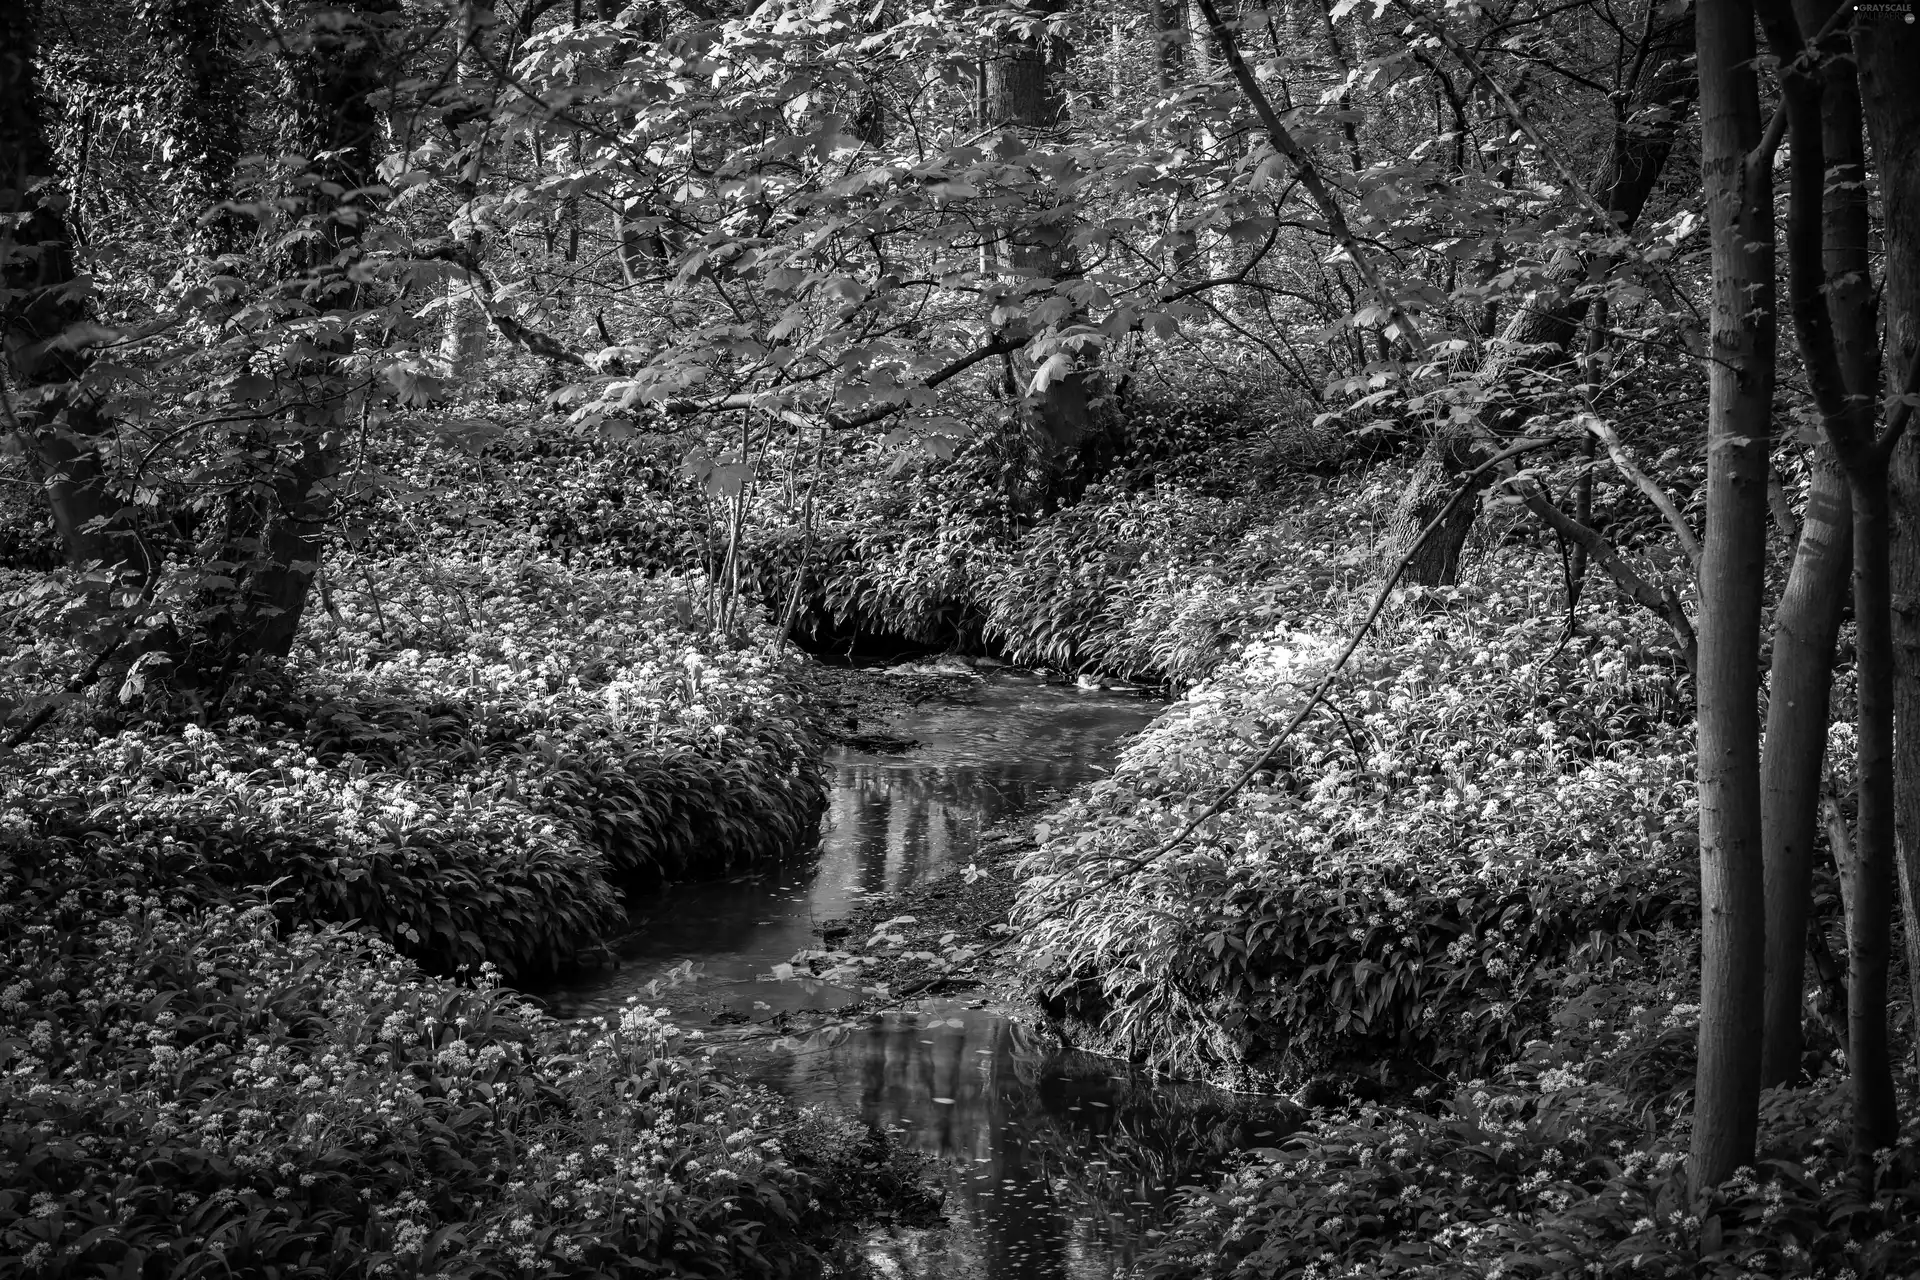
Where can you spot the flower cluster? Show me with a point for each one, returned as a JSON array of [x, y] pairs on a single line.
[[1484, 805], [470, 756], [1569, 1162], [192, 1088]]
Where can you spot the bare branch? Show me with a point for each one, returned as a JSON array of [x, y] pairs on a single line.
[[1661, 499]]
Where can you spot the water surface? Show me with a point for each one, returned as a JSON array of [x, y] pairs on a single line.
[[1055, 1163]]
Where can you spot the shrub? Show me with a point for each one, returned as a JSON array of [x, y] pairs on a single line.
[[450, 876], [1483, 808], [193, 1091], [1571, 1162]]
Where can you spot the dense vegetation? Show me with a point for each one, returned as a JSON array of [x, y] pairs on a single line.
[[439, 431]]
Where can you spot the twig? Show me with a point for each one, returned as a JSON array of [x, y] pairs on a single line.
[[1661, 601], [1308, 174], [1514, 113]]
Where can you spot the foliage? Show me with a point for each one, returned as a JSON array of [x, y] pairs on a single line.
[[453, 877], [592, 697], [513, 490], [196, 1089], [1571, 1162], [1163, 582], [1486, 805], [470, 758]]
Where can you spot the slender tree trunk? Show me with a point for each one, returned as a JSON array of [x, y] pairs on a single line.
[[1829, 271], [1806, 622], [641, 242], [1876, 1117], [1886, 52], [1732, 952], [464, 347]]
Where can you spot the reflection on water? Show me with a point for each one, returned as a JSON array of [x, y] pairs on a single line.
[[891, 820], [1057, 1163]]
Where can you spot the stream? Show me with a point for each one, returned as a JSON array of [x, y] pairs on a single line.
[[1056, 1163]]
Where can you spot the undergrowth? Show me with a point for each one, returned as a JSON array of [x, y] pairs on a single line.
[[1485, 807], [473, 757], [198, 1090]]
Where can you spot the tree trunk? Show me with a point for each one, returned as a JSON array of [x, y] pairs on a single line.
[[1166, 56], [464, 347], [1876, 1117], [1806, 621], [1886, 52], [275, 540], [1834, 321], [1830, 276], [1020, 92], [202, 94], [1732, 954], [58, 424]]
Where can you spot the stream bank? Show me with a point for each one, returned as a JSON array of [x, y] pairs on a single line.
[[1049, 1161]]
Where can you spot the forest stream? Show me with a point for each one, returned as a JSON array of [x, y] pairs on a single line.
[[1055, 1162]]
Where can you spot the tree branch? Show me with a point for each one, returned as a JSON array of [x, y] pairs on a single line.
[[1310, 177], [1661, 499], [1662, 602]]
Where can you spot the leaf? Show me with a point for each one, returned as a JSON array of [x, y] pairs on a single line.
[[250, 386], [1052, 369]]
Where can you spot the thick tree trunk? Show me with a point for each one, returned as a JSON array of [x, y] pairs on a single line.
[[1887, 51], [203, 91], [1020, 91], [1732, 955], [1166, 55], [275, 540], [1806, 621]]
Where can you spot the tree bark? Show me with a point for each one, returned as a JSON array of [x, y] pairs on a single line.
[[464, 346], [1876, 1116], [1829, 274], [202, 91], [1806, 622], [1732, 956], [1886, 52], [275, 528], [1020, 92]]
